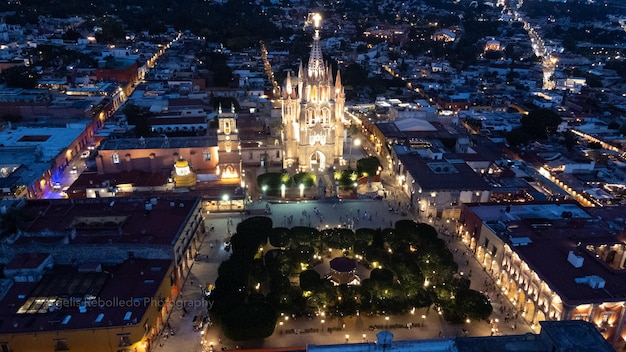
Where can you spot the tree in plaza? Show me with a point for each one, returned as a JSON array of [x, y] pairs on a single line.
[[301, 254], [277, 261], [364, 234], [359, 247], [257, 272], [376, 254], [279, 237], [304, 235], [473, 304], [251, 233], [338, 238], [249, 321], [378, 239], [368, 166], [382, 277], [310, 280], [324, 296], [230, 287], [304, 178], [290, 301], [347, 300]]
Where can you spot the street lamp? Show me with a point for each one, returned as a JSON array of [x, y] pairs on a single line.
[[357, 142], [386, 322], [264, 189], [225, 198], [301, 190], [282, 190], [322, 327], [281, 326], [347, 337]]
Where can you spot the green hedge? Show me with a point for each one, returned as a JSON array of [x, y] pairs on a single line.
[[306, 178]]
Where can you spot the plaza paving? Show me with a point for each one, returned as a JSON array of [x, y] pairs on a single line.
[[424, 323]]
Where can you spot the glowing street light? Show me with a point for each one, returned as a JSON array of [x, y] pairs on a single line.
[[357, 143], [301, 190], [282, 190]]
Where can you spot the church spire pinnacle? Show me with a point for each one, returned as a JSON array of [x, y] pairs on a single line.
[[316, 60], [288, 84]]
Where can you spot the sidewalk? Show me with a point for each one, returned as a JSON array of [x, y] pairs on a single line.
[[190, 302]]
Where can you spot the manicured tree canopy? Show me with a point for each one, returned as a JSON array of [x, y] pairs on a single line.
[[279, 237], [250, 321], [473, 304], [310, 280], [305, 178]]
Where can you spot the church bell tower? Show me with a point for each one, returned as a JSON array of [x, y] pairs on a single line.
[[312, 113]]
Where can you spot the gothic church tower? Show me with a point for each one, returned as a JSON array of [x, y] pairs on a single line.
[[312, 114]]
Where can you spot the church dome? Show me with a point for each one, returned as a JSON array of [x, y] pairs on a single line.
[[182, 163]]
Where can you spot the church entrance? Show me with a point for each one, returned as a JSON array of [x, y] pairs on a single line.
[[317, 161]]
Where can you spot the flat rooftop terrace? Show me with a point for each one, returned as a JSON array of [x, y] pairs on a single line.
[[111, 220], [114, 296]]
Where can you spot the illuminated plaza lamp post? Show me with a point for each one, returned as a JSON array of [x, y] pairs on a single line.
[[357, 143], [282, 190], [225, 198], [301, 190]]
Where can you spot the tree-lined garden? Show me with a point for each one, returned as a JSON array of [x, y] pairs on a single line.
[[272, 271]]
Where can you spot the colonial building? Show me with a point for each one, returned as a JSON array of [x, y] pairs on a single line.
[[57, 294], [228, 146], [312, 114], [553, 261]]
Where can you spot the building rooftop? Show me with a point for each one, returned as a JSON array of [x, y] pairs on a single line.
[[575, 335], [26, 261], [548, 233], [571, 335], [97, 220], [441, 175], [159, 143], [48, 141], [113, 296]]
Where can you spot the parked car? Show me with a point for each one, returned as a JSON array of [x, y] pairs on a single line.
[[198, 321]]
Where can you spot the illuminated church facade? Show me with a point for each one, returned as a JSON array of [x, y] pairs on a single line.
[[312, 114]]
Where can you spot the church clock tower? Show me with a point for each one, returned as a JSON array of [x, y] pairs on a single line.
[[228, 146], [312, 113]]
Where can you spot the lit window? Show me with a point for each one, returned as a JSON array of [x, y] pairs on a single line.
[[116, 158], [207, 155], [226, 127]]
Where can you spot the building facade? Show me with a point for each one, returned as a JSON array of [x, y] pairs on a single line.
[[553, 261], [312, 115]]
